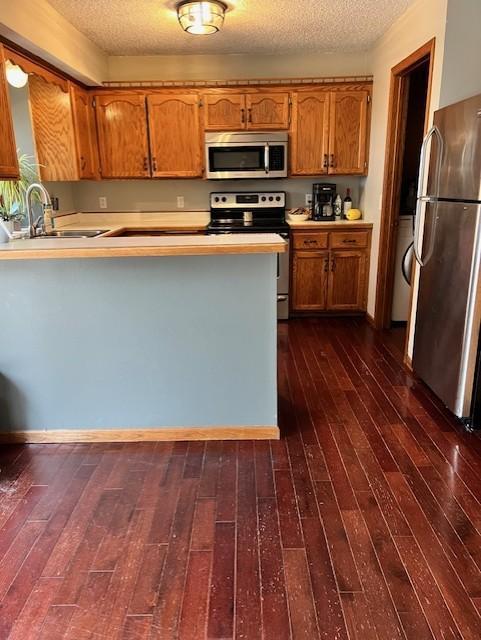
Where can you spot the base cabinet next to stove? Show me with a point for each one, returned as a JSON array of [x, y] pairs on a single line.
[[330, 269]]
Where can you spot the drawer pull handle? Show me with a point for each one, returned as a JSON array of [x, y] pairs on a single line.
[[326, 265], [332, 161], [326, 162], [351, 241], [243, 116], [333, 265]]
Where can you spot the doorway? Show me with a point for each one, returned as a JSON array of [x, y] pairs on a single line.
[[407, 124]]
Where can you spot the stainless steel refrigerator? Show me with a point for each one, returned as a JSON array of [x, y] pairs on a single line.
[[447, 246]]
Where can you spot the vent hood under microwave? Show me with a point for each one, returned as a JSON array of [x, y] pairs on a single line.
[[246, 155]]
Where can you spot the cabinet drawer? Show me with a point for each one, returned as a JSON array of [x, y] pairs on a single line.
[[346, 239], [310, 240]]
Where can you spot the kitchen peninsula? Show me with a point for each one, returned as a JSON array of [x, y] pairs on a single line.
[[139, 338]]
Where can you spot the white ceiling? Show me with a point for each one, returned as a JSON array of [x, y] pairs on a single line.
[[148, 27]]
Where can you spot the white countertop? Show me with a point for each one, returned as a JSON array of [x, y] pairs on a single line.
[[141, 246]]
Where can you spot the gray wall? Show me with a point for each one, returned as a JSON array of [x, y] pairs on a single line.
[[138, 342], [161, 195], [461, 77]]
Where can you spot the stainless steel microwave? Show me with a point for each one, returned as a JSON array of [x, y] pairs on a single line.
[[246, 155]]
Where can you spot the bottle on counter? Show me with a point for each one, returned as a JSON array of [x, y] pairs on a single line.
[[338, 207], [347, 203]]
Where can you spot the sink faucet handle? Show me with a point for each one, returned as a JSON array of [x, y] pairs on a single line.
[[38, 224]]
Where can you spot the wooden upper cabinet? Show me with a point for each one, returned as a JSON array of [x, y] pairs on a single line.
[[224, 112], [8, 152], [347, 281], [53, 128], [175, 135], [122, 135], [309, 133], [309, 280], [85, 133], [267, 111], [348, 132]]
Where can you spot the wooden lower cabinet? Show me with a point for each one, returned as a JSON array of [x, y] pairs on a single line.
[[310, 276], [330, 280], [347, 281]]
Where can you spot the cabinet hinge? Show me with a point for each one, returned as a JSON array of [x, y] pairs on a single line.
[[368, 98]]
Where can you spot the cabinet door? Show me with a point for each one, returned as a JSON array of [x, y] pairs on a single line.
[[122, 130], [224, 112], [267, 111], [347, 281], [53, 130], [348, 132], [309, 280], [310, 130], [175, 139], [85, 133], [8, 152]]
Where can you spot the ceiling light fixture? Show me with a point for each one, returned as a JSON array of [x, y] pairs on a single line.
[[15, 76], [201, 18]]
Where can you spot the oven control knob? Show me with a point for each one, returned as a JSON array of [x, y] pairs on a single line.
[[263, 198], [278, 198], [271, 198], [224, 199], [216, 199]]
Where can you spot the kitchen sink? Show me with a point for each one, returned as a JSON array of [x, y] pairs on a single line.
[[70, 233]]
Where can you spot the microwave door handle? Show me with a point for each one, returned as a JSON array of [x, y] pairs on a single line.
[[421, 198], [266, 158]]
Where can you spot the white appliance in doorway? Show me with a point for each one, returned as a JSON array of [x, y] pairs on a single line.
[[402, 290]]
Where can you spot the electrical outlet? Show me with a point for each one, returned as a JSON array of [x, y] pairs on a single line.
[[103, 202], [308, 199], [180, 202]]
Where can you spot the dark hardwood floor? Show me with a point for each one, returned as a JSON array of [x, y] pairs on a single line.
[[362, 522]]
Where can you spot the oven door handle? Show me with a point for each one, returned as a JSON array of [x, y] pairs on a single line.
[[266, 157]]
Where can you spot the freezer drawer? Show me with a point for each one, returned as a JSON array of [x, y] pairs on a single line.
[[448, 311]]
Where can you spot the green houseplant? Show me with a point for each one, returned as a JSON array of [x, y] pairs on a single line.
[[12, 192]]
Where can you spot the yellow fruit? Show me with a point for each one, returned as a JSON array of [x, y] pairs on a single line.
[[353, 214]]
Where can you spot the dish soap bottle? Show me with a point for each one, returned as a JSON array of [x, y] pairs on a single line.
[[347, 203], [338, 207]]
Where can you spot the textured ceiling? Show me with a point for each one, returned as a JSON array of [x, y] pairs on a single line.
[[146, 27]]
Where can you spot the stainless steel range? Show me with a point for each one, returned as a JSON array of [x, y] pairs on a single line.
[[255, 212]]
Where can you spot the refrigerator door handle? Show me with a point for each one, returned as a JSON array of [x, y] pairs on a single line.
[[433, 131]]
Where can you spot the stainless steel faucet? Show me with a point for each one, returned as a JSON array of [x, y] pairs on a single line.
[[33, 226]]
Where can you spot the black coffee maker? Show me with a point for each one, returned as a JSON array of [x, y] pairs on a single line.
[[323, 196]]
